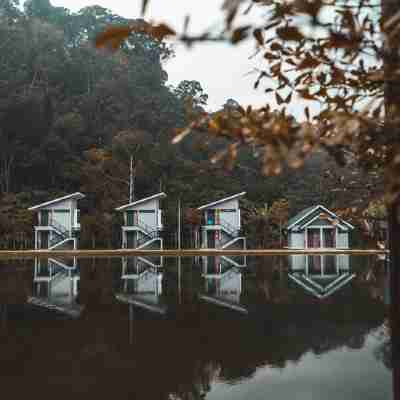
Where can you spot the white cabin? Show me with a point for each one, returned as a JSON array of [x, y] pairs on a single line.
[[142, 223], [221, 224], [318, 228], [58, 223]]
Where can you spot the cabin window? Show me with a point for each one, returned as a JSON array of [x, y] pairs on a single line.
[[147, 211], [78, 217], [130, 218], [329, 236], [62, 217], [321, 237], [228, 210], [313, 238], [44, 217], [210, 217]]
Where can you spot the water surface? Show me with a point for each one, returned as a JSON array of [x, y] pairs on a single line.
[[208, 327]]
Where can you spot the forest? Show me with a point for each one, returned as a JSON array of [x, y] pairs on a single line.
[[72, 117]]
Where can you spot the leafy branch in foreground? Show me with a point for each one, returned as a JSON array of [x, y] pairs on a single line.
[[338, 54]]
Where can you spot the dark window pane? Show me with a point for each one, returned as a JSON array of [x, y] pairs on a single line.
[[313, 238]]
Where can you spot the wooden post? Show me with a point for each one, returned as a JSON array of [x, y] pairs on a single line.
[[179, 223], [179, 247], [179, 280], [131, 182]]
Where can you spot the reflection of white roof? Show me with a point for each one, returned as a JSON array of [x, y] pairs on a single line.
[[235, 196], [73, 196], [317, 290], [137, 202]]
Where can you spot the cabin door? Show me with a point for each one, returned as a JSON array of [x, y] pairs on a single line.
[[130, 218]]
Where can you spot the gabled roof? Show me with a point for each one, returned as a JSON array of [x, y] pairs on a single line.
[[298, 217], [235, 196], [302, 215], [73, 196], [137, 202]]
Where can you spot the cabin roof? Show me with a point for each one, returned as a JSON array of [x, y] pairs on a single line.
[[141, 201], [302, 215], [214, 203], [72, 196]]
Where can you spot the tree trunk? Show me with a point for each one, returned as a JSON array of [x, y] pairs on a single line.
[[391, 59], [394, 237], [5, 174]]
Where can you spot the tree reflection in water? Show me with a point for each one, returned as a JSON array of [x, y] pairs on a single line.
[[181, 355]]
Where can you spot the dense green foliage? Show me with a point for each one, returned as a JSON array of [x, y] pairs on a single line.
[[71, 117]]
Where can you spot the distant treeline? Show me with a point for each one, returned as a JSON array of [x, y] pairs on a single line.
[[71, 118]]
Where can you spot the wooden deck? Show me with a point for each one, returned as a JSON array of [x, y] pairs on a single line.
[[7, 254]]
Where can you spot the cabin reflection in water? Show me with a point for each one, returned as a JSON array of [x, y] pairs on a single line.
[[222, 282], [320, 275], [217, 265], [141, 284], [56, 285]]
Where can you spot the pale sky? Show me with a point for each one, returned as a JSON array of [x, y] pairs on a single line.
[[222, 69]]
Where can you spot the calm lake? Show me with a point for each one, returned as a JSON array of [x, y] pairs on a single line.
[[195, 328]]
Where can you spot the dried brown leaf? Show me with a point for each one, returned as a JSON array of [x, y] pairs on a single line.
[[290, 33], [258, 35]]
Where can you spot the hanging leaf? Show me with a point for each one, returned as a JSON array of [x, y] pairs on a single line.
[[275, 46], [338, 40], [239, 34], [337, 76], [259, 36], [161, 31], [276, 68], [270, 56], [290, 33], [308, 62], [307, 113]]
